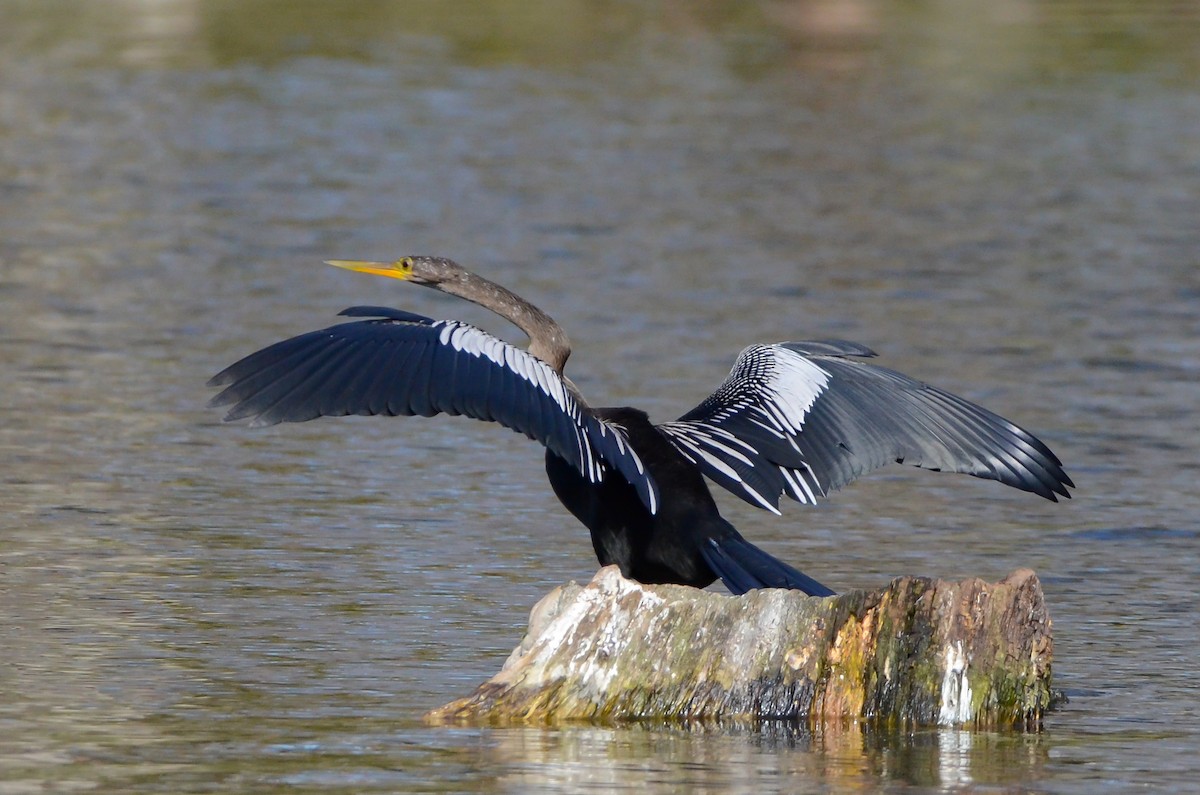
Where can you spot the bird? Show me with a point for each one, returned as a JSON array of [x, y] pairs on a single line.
[[794, 419]]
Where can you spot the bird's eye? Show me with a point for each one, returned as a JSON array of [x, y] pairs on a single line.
[[406, 263]]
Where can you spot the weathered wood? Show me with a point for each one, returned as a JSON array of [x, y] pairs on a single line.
[[918, 652]]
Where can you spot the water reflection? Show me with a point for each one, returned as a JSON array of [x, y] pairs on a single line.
[[844, 758]]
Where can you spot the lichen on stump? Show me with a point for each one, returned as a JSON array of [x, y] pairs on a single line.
[[917, 652]]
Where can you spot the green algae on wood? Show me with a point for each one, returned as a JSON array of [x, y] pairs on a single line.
[[917, 652]]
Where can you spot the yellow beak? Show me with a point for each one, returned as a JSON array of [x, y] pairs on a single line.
[[399, 269]]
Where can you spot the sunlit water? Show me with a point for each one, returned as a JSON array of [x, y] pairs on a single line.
[[1001, 198]]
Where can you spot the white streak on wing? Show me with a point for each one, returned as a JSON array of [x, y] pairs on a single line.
[[595, 461], [467, 339], [793, 488], [492, 349], [730, 473], [773, 389], [761, 500], [718, 432], [622, 444], [542, 372], [712, 443], [510, 358], [811, 484], [692, 444], [536, 376], [585, 459], [469, 342], [718, 464], [521, 366], [769, 428], [774, 412], [798, 486], [559, 394], [792, 384], [686, 446]]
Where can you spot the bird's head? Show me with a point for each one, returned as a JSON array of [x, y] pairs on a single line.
[[429, 271], [547, 340]]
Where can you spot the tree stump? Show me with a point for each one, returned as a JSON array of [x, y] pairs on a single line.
[[918, 652]]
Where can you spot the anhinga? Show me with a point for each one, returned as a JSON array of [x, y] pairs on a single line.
[[794, 418]]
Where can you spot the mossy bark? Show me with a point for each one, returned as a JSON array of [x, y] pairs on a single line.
[[918, 652]]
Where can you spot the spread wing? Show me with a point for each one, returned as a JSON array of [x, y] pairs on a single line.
[[399, 363], [804, 418]]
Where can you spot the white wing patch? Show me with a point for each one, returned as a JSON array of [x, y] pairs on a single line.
[[468, 339], [769, 392], [476, 342], [788, 385]]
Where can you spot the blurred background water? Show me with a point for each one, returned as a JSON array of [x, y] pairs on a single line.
[[1000, 197]]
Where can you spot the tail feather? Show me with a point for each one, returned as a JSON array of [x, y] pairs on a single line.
[[744, 567]]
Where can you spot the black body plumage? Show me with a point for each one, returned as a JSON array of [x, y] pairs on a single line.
[[686, 541], [796, 419]]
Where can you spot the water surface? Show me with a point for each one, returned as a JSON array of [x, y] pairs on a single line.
[[1000, 198]]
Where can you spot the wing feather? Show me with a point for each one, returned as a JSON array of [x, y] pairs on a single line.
[[404, 364], [812, 419]]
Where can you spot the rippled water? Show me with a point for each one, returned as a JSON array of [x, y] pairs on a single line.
[[1001, 198]]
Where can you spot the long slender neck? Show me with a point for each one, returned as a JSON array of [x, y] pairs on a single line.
[[547, 340]]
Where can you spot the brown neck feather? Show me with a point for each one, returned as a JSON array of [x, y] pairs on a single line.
[[547, 340]]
